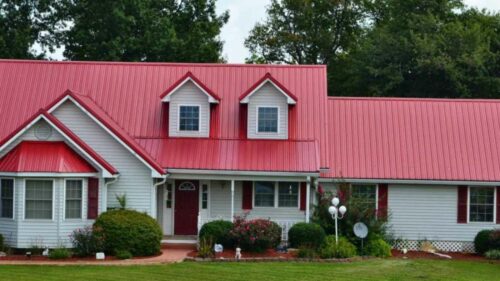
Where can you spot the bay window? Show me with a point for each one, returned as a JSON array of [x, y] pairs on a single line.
[[73, 202], [38, 199], [7, 198]]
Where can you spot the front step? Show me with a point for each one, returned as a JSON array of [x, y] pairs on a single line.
[[180, 242]]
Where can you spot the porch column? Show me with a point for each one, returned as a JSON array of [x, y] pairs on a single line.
[[232, 200], [308, 197]]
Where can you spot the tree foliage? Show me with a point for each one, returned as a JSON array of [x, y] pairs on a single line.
[[422, 48], [141, 30]]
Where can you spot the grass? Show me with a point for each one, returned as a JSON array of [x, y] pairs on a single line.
[[388, 269]]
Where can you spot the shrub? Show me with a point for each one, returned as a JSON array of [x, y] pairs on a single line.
[[256, 235], [302, 234], [86, 241], [2, 246], [493, 254], [206, 248], [59, 253], [495, 240], [330, 249], [128, 230], [482, 241], [378, 248], [123, 255], [218, 232], [307, 252]]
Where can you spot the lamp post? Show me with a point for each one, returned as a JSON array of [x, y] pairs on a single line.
[[334, 211]]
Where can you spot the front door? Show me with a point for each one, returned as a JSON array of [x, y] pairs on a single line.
[[186, 207]]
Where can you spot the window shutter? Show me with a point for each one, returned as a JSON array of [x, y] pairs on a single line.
[[303, 190], [383, 191], [462, 204], [214, 121], [243, 121], [247, 195], [498, 204], [93, 198]]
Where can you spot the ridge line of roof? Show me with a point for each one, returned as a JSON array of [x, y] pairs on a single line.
[[408, 99], [177, 64]]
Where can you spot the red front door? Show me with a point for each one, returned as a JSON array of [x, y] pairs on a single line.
[[186, 207]]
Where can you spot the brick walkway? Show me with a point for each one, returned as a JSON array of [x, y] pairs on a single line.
[[167, 256]]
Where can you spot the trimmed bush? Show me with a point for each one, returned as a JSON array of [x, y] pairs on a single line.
[[218, 232], [330, 249], [495, 240], [59, 254], [123, 255], [128, 230], [256, 235], [2, 246], [378, 248], [482, 241], [306, 234], [85, 242], [492, 254]]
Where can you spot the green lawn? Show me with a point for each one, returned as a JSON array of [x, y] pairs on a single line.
[[363, 270]]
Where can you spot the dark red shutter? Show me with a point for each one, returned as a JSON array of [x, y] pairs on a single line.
[[462, 204], [383, 191], [247, 195], [498, 204], [214, 120], [243, 121], [93, 198], [303, 191], [165, 120]]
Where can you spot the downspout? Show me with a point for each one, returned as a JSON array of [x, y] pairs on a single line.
[[153, 197], [105, 192]]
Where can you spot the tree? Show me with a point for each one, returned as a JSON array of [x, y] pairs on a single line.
[[305, 31], [141, 30], [424, 48], [18, 29]]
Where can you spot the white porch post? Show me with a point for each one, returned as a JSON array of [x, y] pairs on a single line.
[[232, 200], [308, 197]]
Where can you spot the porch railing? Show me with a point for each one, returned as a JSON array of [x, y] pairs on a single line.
[[284, 224]]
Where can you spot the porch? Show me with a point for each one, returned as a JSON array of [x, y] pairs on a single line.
[[185, 204]]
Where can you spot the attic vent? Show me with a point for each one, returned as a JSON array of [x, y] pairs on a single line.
[[43, 132]]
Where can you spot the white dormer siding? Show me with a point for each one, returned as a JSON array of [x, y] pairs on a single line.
[[267, 96], [189, 95]]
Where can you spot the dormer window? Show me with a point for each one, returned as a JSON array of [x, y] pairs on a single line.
[[267, 119], [189, 118], [189, 105], [268, 103]]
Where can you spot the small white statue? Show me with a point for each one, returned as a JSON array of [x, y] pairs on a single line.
[[404, 251], [238, 254], [45, 252]]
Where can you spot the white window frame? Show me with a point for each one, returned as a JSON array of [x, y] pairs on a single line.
[[494, 205], [53, 198], [376, 193], [278, 129], [207, 183], [13, 197], [276, 196], [179, 118], [84, 187]]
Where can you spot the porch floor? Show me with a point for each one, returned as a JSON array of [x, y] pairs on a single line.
[[171, 241]]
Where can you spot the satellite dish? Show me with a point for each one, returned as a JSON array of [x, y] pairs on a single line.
[[360, 230]]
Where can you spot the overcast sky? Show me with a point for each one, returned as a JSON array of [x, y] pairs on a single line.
[[245, 13]]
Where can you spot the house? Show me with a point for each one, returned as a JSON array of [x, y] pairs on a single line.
[[191, 143]]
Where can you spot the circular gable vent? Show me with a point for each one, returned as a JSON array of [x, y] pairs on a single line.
[[43, 132]]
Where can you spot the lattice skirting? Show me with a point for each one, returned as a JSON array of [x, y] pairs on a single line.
[[444, 246]]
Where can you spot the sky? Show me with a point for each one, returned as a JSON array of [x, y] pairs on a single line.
[[244, 14]]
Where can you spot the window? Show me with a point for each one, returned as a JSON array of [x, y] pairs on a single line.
[[288, 194], [482, 203], [38, 203], [189, 118], [74, 190], [365, 196], [264, 194], [267, 120], [187, 186], [168, 196], [7, 198], [204, 196]]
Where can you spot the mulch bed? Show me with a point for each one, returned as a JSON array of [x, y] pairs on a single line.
[[42, 258], [230, 254]]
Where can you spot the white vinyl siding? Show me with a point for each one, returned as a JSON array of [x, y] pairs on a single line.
[[429, 212], [189, 95], [267, 96], [135, 177]]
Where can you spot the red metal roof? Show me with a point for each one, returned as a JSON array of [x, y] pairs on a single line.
[[243, 155], [191, 76], [421, 139], [46, 157]]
